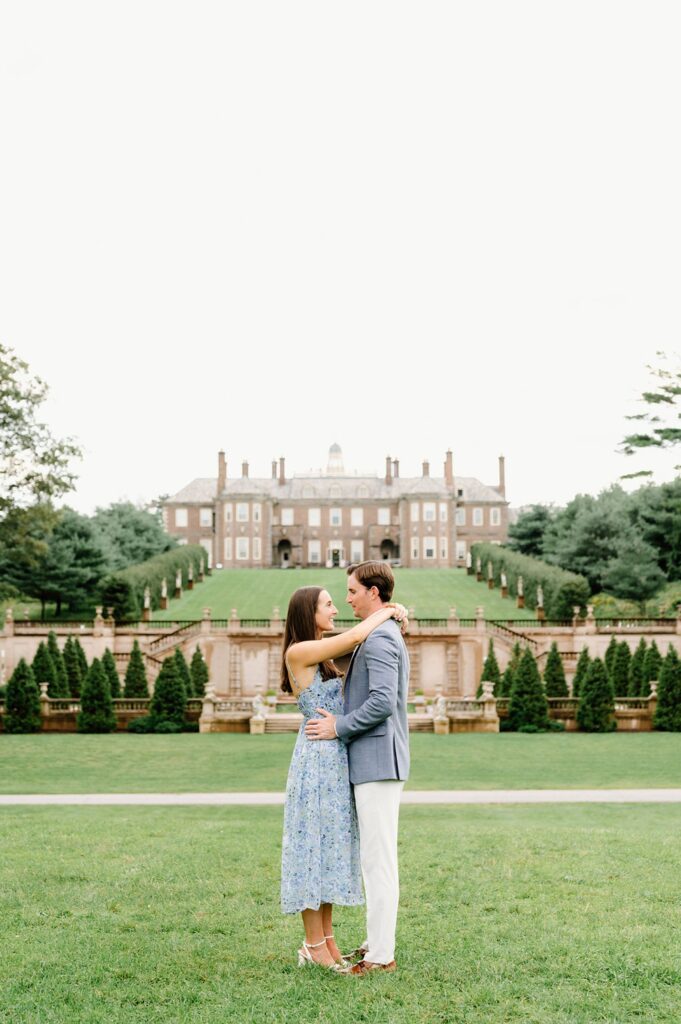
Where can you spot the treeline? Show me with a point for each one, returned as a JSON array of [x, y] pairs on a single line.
[[561, 590], [627, 545]]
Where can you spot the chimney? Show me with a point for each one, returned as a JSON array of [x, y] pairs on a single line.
[[502, 476], [274, 469], [388, 470], [449, 469], [426, 469], [396, 468], [222, 471], [244, 469], [282, 474]]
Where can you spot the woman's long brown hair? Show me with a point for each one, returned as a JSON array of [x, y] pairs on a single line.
[[301, 625]]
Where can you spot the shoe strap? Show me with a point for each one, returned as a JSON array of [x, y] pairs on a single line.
[[313, 945]]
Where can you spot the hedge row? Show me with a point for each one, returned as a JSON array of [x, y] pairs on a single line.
[[124, 590], [562, 590]]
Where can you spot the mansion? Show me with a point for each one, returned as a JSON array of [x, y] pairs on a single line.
[[334, 518]]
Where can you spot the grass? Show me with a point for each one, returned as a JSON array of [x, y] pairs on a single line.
[[255, 592], [68, 763], [537, 915]]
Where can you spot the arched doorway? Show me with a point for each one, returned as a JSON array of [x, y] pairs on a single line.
[[284, 552], [388, 550]]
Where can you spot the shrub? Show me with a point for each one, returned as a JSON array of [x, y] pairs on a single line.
[[583, 662], [528, 705], [620, 670], [169, 701], [183, 672], [199, 673], [562, 590], [636, 670], [119, 593], [668, 711], [22, 701], [554, 674], [611, 654], [135, 683], [61, 687], [44, 670], [490, 670], [143, 724], [596, 701], [652, 664], [97, 714], [72, 664], [506, 684], [111, 673]]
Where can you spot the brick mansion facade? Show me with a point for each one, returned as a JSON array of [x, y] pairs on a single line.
[[333, 518]]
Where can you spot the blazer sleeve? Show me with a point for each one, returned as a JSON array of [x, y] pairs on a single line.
[[381, 655]]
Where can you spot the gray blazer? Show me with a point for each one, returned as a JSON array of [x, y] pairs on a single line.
[[374, 724]]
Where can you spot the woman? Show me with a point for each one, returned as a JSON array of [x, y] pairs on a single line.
[[320, 853]]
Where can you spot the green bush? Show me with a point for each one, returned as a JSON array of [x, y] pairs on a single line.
[[652, 664], [72, 664], [170, 698], [183, 672], [596, 709], [119, 593], [555, 684], [490, 671], [583, 662], [135, 683], [96, 714], [199, 673], [528, 705], [668, 711], [636, 669], [111, 673], [22, 701], [143, 724], [61, 687], [562, 590], [620, 670], [44, 670]]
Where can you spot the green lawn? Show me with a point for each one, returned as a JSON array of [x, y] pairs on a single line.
[[508, 915], [255, 592], [223, 762]]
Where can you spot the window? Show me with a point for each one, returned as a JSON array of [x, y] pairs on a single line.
[[180, 517], [314, 551], [228, 513], [206, 517], [287, 517], [429, 511], [357, 518], [357, 551], [443, 511], [460, 550], [257, 512], [228, 549], [242, 513], [242, 548], [494, 517], [443, 548], [334, 491], [414, 511], [460, 517], [384, 517], [256, 549], [362, 491], [459, 493], [314, 517], [429, 547], [414, 547], [477, 517], [335, 517]]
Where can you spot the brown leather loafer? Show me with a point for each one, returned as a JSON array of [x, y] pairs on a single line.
[[365, 966]]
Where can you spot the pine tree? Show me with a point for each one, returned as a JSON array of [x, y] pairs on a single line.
[[668, 711], [583, 662], [620, 670], [61, 688], [111, 673], [22, 701], [610, 655], [506, 685], [596, 700], [199, 673], [96, 714], [490, 671], [554, 674], [183, 672], [636, 669], [135, 684], [528, 709], [651, 668], [170, 698], [74, 674], [44, 670], [82, 660]]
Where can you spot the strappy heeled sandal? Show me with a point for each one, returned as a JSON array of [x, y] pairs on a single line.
[[343, 962], [304, 957]]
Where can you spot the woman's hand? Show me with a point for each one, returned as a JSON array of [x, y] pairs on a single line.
[[399, 613]]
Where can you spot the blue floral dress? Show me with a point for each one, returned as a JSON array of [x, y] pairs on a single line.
[[320, 850]]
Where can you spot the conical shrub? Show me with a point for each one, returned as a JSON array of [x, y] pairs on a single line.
[[652, 665], [620, 670], [96, 714], [168, 704], [74, 674], [596, 709], [22, 701], [636, 669], [490, 671], [611, 654], [111, 673], [528, 710], [135, 683], [668, 711], [44, 670], [61, 687], [199, 673], [183, 672], [583, 662], [555, 684]]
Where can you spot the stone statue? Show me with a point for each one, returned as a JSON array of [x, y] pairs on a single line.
[[520, 586], [258, 705], [469, 560], [440, 707], [164, 588], [540, 596], [478, 565], [147, 597], [490, 571], [178, 580], [190, 572], [504, 581]]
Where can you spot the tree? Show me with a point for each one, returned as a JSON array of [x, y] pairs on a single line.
[[651, 667], [610, 654], [526, 535], [668, 710], [61, 688], [490, 670], [35, 466], [170, 698], [135, 683], [111, 673], [636, 670], [554, 674], [44, 670], [506, 685], [129, 534], [96, 714], [183, 672], [82, 660], [633, 574], [22, 701], [199, 673], [587, 534], [528, 710], [583, 662], [660, 401], [620, 670], [657, 517], [119, 594], [72, 664], [596, 709]]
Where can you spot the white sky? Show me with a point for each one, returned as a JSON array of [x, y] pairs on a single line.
[[269, 226]]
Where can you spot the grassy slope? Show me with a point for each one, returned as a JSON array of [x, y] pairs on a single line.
[[508, 916], [223, 762]]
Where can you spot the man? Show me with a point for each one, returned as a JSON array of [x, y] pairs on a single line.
[[375, 728]]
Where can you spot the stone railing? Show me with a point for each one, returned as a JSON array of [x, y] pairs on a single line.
[[58, 714], [632, 714]]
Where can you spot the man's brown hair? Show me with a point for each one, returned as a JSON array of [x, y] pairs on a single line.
[[374, 574]]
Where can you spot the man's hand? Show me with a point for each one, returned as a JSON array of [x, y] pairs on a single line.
[[321, 728]]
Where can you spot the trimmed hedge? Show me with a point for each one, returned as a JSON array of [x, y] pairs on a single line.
[[124, 590], [562, 590]]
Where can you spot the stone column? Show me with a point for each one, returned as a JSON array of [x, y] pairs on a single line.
[[590, 619], [98, 625], [478, 569], [206, 621], [453, 621], [480, 619], [234, 621], [44, 701], [489, 707], [652, 701], [678, 618]]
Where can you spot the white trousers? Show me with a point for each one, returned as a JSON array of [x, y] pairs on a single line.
[[378, 809]]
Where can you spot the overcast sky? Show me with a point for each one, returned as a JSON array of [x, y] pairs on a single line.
[[402, 227]]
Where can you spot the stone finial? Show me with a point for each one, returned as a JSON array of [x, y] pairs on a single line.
[[487, 689], [653, 687], [207, 612], [233, 614]]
